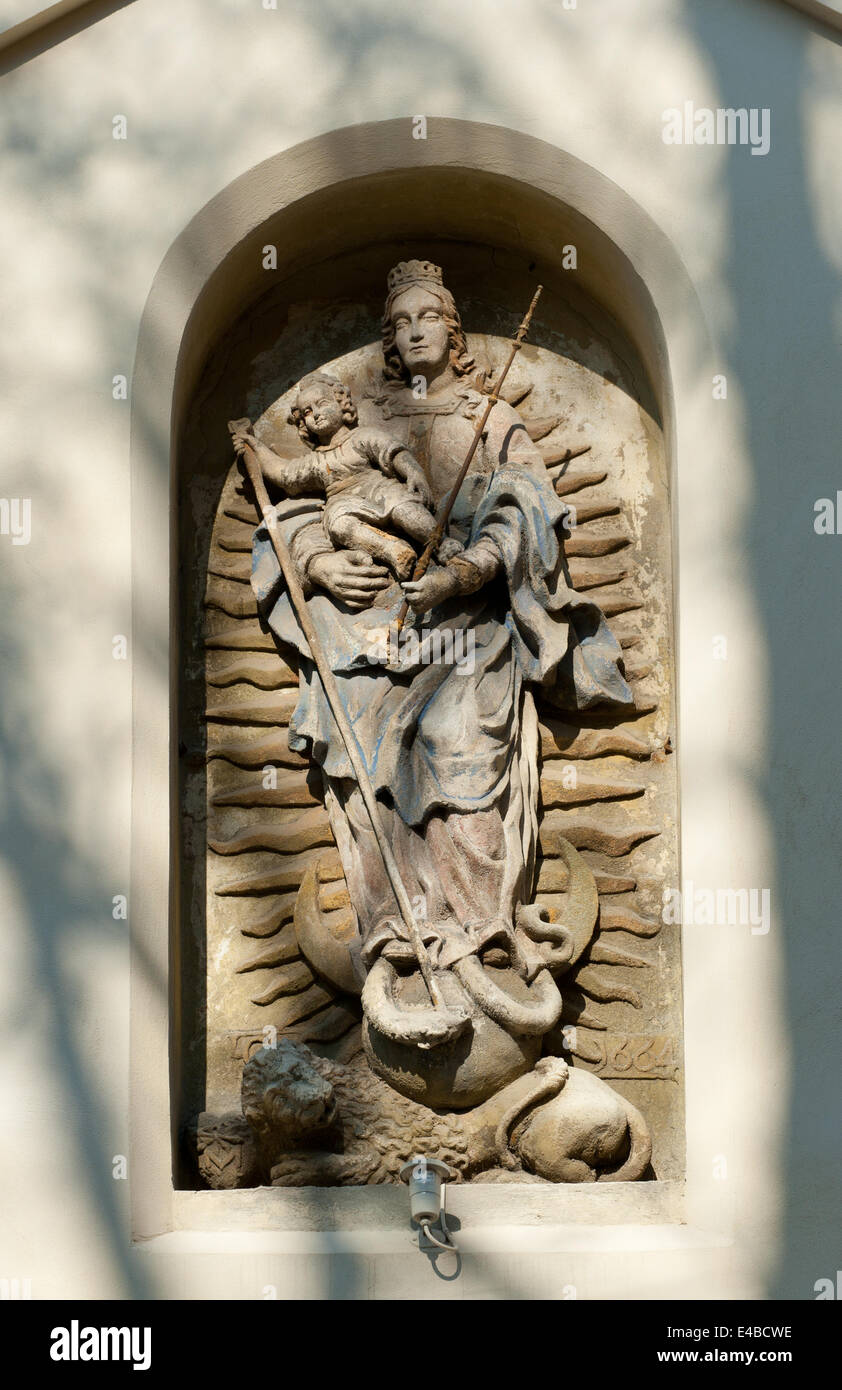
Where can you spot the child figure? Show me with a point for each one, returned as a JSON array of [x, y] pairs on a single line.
[[370, 480]]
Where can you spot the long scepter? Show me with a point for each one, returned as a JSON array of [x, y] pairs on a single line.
[[331, 689], [444, 512]]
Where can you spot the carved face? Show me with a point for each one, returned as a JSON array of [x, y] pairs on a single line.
[[284, 1096], [421, 334], [321, 411]]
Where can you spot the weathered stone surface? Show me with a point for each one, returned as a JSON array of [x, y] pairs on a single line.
[[319, 1123], [266, 828]]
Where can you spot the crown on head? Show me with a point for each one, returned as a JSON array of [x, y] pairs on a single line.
[[413, 273]]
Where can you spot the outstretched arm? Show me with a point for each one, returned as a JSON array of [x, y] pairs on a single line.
[[293, 476]]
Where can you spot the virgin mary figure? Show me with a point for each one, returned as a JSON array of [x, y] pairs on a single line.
[[451, 746]]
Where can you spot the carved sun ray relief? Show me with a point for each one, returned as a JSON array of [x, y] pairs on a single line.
[[514, 736]]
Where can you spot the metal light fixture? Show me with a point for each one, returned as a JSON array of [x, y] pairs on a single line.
[[425, 1177]]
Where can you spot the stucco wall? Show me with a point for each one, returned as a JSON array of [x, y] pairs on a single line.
[[210, 91]]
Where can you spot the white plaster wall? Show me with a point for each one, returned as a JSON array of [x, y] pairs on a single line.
[[209, 89]]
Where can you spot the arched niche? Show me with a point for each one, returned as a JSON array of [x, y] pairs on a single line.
[[498, 209]]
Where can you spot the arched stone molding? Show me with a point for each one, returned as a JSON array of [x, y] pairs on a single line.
[[341, 190]]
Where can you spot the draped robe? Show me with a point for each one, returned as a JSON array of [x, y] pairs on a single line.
[[451, 747]]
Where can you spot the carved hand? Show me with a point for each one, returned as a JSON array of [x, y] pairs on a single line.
[[241, 434], [437, 585], [350, 575], [418, 486]]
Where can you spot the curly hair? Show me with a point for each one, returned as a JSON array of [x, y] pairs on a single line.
[[340, 391], [461, 361], [284, 1093]]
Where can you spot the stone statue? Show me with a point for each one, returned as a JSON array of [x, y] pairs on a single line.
[[226, 1151], [451, 750], [373, 483], [320, 1124]]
